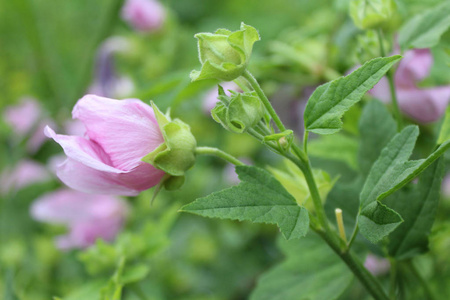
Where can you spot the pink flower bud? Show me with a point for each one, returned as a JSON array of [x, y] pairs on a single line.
[[107, 160], [89, 217], [423, 104], [144, 15], [377, 265]]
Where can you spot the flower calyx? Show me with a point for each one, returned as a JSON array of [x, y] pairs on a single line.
[[238, 112], [224, 55], [176, 154]]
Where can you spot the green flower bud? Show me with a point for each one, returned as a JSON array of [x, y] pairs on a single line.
[[224, 55], [368, 46], [367, 14], [177, 154], [238, 112]]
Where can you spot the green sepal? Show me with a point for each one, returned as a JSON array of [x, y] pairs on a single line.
[[367, 14], [224, 55], [284, 138], [177, 154], [238, 112]]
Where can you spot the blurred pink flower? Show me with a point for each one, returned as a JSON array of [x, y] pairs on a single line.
[[24, 116], [210, 99], [422, 104], [25, 173], [26, 120], [144, 15], [119, 133], [377, 265], [88, 217]]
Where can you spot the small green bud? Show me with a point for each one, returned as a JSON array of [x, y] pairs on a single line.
[[368, 46], [177, 154], [367, 14], [224, 55], [284, 138], [238, 112]]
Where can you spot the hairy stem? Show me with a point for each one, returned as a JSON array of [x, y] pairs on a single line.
[[247, 75], [365, 277], [390, 77], [219, 153]]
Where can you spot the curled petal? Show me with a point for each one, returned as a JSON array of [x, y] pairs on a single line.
[[414, 67]]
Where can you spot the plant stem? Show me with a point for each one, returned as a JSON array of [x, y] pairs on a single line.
[[354, 234], [321, 225], [305, 167], [219, 153], [393, 279], [247, 75], [390, 77], [423, 282], [365, 277], [305, 141]]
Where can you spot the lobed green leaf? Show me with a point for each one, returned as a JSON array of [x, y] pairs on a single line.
[[259, 198]]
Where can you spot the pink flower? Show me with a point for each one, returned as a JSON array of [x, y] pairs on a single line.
[[107, 160], [376, 265], [144, 15], [25, 173], [422, 104], [27, 121], [24, 116], [210, 99], [89, 217]]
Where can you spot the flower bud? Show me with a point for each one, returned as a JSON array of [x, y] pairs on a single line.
[[177, 153], [367, 14], [224, 55], [239, 111]]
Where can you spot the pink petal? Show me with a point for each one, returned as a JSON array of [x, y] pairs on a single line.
[[83, 178], [23, 116], [84, 151], [125, 129], [414, 67], [424, 105], [67, 206]]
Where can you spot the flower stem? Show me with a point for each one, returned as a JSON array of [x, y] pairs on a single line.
[[390, 77], [423, 282], [247, 75], [219, 153], [365, 277]]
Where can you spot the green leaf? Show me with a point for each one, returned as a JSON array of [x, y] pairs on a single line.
[[426, 29], [134, 273], [259, 198], [344, 148], [295, 183], [390, 172], [418, 207], [376, 127], [444, 134], [330, 101], [310, 271]]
